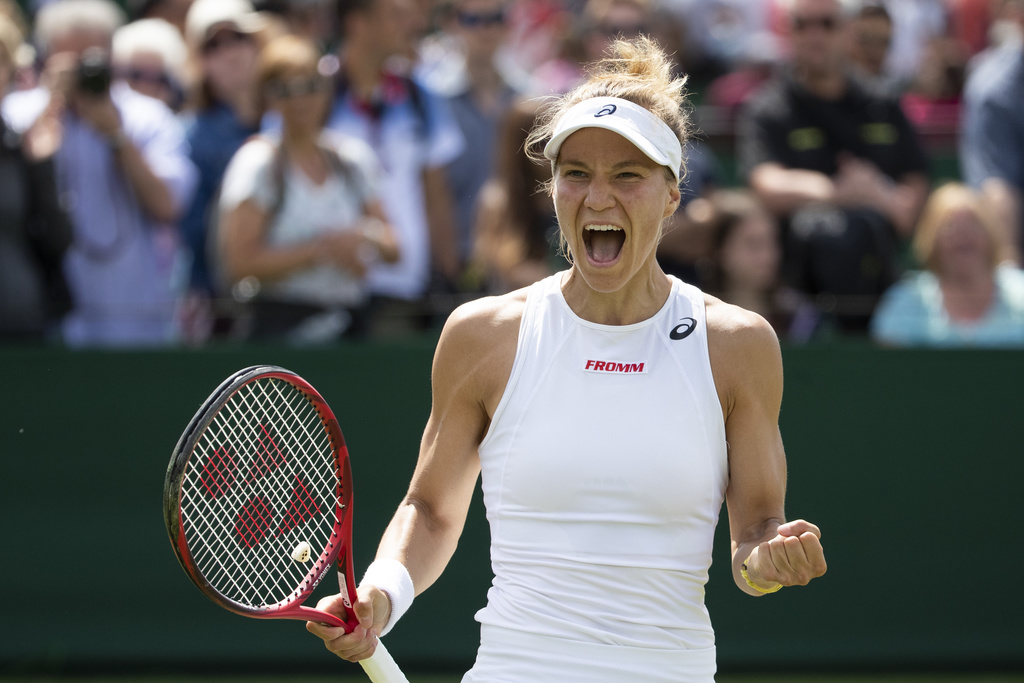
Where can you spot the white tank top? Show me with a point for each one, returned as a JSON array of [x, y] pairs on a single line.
[[604, 471]]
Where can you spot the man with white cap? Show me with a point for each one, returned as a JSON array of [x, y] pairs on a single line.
[[610, 410], [224, 40], [207, 17]]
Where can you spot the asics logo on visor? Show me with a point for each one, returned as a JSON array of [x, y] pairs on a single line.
[[606, 110]]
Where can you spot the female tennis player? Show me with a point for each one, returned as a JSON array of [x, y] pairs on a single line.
[[610, 410]]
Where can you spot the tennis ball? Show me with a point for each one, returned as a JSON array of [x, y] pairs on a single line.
[[301, 552]]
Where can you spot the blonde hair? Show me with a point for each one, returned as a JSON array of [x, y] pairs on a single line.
[[637, 70], [942, 204], [284, 55]]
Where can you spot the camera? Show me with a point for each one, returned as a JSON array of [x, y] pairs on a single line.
[[94, 72]]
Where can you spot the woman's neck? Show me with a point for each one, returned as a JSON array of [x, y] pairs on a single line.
[[638, 300], [304, 152]]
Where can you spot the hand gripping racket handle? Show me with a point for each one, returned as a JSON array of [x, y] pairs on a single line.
[[381, 668]]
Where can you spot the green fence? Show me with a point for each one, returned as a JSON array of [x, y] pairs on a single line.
[[910, 461]]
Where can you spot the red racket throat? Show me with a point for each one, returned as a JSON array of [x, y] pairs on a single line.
[[258, 497]]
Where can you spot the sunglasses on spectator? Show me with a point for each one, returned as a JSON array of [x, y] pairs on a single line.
[[149, 76], [224, 38], [296, 87], [824, 23], [480, 19]]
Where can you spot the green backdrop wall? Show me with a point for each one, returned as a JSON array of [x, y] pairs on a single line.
[[910, 461]]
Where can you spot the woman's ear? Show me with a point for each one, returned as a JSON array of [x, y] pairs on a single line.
[[675, 196]]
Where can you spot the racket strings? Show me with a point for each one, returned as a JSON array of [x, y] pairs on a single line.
[[261, 480]]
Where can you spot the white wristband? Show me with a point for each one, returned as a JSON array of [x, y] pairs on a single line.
[[392, 578]]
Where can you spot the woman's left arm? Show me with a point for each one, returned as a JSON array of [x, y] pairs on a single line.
[[767, 551]]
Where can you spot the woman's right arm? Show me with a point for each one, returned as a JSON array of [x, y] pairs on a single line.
[[471, 366]]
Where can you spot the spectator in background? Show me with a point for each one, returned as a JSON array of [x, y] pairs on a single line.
[[415, 137], [870, 37], [992, 136], [124, 175], [223, 39], [747, 259], [516, 235], [838, 163], [150, 55], [479, 95], [301, 215], [968, 294], [171, 11], [686, 242], [932, 100], [34, 230]]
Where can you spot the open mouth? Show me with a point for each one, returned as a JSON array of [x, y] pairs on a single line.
[[603, 243]]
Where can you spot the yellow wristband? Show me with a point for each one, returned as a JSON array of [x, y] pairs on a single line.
[[759, 589]]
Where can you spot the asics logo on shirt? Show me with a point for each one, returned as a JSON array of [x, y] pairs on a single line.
[[683, 329]]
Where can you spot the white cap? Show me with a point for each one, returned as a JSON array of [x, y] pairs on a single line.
[[648, 132], [203, 15]]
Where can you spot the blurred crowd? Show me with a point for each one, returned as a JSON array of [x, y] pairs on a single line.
[[189, 172]]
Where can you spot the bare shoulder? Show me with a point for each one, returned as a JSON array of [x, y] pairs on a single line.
[[478, 346], [487, 321], [745, 352]]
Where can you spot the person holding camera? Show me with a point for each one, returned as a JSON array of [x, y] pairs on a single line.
[[124, 175]]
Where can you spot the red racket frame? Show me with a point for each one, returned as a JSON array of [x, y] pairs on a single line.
[[338, 549]]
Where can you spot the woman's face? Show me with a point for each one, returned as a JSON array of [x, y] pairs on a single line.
[[750, 255], [611, 200], [962, 244], [229, 59], [301, 96]]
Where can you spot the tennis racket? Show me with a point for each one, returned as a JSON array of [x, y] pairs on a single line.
[[258, 502]]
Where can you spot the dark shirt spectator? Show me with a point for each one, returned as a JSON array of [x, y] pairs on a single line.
[[839, 163]]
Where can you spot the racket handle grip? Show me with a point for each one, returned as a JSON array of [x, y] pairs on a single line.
[[381, 667]]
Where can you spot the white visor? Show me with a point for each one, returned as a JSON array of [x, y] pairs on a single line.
[[650, 134]]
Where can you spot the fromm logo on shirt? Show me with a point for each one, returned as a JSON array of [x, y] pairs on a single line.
[[614, 367]]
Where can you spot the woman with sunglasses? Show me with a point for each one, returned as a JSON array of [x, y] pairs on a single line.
[[223, 39], [610, 409], [300, 219]]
